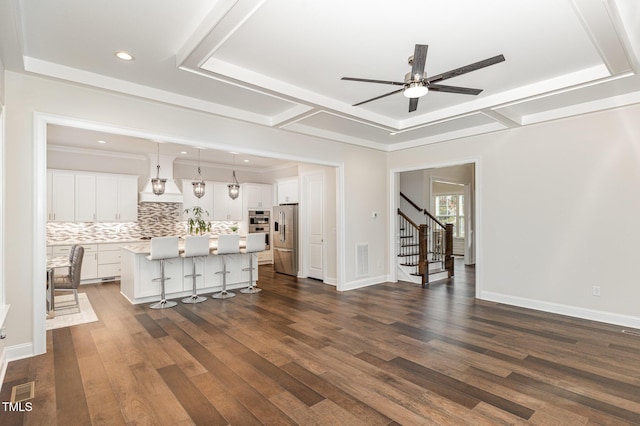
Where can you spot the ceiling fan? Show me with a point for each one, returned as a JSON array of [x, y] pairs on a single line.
[[417, 84]]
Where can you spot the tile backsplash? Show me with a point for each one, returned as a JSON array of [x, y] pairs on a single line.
[[154, 220]]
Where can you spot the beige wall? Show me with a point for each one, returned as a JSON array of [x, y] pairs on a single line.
[[363, 179], [1, 82], [557, 204], [2, 204]]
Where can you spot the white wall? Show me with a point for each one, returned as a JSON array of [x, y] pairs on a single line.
[[362, 180], [558, 207], [412, 184], [1, 82], [3, 309]]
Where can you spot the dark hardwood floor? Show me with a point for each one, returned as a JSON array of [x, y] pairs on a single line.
[[301, 353]]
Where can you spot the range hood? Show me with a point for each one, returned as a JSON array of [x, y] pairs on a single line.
[[171, 193]]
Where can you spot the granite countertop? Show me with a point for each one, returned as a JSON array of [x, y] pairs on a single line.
[[94, 241], [124, 241], [144, 247]]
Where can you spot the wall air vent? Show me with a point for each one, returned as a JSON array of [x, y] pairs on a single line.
[[362, 259]]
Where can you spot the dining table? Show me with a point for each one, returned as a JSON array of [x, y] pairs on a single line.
[[52, 264]]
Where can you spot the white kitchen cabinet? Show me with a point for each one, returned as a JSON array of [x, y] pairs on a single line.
[[265, 257], [61, 196], [138, 272], [258, 196], [85, 197], [149, 270], [128, 198], [117, 198], [59, 251], [89, 268], [109, 260], [190, 200], [288, 191], [224, 208]]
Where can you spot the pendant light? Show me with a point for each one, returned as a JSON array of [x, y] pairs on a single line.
[[156, 183], [198, 184], [234, 187]]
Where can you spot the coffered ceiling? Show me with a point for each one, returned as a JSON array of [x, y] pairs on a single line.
[[279, 63]]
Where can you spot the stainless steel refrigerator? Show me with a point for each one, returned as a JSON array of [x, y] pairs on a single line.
[[285, 239]]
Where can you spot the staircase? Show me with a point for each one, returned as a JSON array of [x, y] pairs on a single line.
[[424, 250]]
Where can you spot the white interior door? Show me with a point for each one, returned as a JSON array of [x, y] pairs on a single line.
[[315, 194]]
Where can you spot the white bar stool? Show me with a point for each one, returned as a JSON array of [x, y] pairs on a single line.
[[163, 248], [227, 244], [255, 243], [195, 248]]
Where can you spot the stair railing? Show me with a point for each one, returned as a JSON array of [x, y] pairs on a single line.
[[413, 245], [439, 246]]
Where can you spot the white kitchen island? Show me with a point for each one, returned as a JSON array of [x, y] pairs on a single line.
[[137, 273]]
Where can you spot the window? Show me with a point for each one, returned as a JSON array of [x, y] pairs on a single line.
[[450, 209]]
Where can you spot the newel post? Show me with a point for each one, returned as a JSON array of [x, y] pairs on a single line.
[[423, 264], [448, 252]]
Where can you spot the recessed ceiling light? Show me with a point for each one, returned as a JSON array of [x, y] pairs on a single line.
[[233, 152], [124, 56], [101, 141], [183, 152], [246, 161], [392, 134]]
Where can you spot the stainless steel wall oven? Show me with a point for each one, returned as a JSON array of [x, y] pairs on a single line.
[[260, 221]]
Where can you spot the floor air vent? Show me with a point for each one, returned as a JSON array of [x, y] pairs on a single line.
[[362, 259], [22, 392]]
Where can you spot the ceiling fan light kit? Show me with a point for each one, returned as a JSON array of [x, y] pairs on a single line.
[[415, 90], [417, 84]]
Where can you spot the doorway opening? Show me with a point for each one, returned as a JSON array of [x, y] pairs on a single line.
[[450, 193]]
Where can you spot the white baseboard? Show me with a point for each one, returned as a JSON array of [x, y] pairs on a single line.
[[17, 352], [330, 281], [557, 308], [365, 282], [14, 353], [3, 367]]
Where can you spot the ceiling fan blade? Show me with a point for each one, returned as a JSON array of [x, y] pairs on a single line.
[[413, 104], [379, 97], [454, 89], [467, 68], [419, 59], [366, 80]]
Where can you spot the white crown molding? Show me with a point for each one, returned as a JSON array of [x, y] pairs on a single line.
[[599, 23], [112, 84], [443, 137], [583, 108], [334, 136]]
